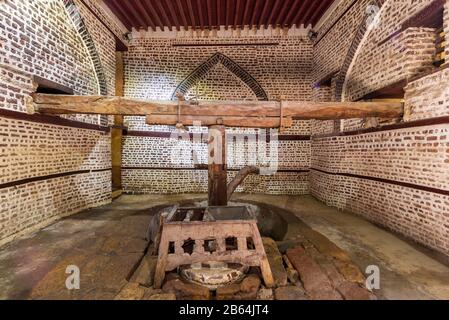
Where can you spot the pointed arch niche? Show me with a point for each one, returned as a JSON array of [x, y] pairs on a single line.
[[218, 58]]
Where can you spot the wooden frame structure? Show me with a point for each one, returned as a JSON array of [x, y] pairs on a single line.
[[217, 115], [174, 235]]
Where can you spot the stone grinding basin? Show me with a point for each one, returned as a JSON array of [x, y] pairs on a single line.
[[213, 274]]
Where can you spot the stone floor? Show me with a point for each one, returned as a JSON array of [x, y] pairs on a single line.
[[108, 245]]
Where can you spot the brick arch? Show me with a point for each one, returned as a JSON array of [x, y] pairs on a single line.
[[351, 55], [230, 65], [82, 30]]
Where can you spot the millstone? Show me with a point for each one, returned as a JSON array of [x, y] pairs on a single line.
[[213, 274]]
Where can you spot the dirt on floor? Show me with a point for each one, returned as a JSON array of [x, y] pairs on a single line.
[[108, 246]]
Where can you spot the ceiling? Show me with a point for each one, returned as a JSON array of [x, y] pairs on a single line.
[[209, 14]]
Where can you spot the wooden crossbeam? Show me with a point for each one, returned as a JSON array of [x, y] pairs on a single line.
[[260, 114]]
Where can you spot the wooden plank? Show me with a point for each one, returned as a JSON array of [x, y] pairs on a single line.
[[240, 177], [229, 121], [217, 169], [117, 130], [301, 110]]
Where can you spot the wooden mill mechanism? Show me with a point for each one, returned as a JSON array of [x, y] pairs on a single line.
[[175, 232], [217, 115]]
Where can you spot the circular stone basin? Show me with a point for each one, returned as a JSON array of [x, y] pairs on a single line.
[[213, 274]]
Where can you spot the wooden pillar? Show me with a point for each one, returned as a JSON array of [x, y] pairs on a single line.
[[117, 129], [217, 166]]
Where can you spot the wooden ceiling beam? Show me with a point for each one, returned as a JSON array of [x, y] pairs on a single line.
[[169, 110], [282, 13], [263, 15], [296, 20], [218, 13], [294, 8], [135, 16], [165, 18], [318, 12], [173, 14], [237, 10], [121, 14], [144, 12], [228, 13], [254, 15], [183, 14], [193, 21], [149, 5], [210, 18], [273, 11], [310, 10], [246, 12], [200, 11]]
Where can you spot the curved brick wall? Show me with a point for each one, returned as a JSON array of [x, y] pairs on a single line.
[[396, 175], [49, 168]]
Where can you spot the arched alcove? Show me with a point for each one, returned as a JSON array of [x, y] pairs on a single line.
[[351, 55], [201, 71], [82, 30]]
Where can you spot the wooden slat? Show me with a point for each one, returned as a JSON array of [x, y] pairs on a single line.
[[304, 110], [229, 121]]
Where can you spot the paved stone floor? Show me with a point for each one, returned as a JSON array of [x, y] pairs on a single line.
[[108, 243]]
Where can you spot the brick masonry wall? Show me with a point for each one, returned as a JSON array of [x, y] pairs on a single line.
[[28, 207], [419, 215], [157, 181], [156, 66], [49, 171], [118, 30], [428, 97], [146, 157], [446, 27], [335, 37], [35, 149], [44, 44], [104, 42], [415, 156], [377, 66], [398, 177]]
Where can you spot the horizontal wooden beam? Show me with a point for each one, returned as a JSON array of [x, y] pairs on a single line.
[[231, 113], [229, 121]]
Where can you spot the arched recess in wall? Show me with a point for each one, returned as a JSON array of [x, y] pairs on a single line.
[[230, 65], [82, 30], [341, 77]]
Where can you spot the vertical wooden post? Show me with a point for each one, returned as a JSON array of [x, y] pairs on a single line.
[[117, 129], [217, 166]]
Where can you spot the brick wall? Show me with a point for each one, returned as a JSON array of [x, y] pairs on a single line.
[[446, 27], [397, 175], [104, 43], [155, 67], [428, 97], [376, 66], [419, 215], [335, 37], [49, 171]]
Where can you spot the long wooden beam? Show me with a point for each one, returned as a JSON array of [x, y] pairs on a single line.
[[213, 112], [228, 121]]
